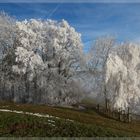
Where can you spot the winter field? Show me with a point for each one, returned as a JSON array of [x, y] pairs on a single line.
[[51, 87], [59, 121]]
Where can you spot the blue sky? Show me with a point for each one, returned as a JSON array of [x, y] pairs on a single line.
[[92, 20]]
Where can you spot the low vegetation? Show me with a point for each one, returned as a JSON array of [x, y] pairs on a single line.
[[70, 122]]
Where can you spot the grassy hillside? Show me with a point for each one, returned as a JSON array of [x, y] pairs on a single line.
[[85, 122]]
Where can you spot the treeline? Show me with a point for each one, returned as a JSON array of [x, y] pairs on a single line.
[[42, 61]]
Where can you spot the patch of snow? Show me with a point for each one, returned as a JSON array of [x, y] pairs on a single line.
[[33, 114]]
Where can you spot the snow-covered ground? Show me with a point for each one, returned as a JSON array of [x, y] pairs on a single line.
[[34, 114]]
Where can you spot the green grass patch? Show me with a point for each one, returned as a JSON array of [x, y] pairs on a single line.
[[86, 123]]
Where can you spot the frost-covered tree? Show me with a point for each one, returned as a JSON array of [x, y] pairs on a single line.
[[7, 37], [122, 77], [99, 52], [97, 59], [45, 58], [7, 33], [115, 74]]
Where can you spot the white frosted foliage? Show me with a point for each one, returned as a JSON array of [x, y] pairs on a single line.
[[42, 63], [122, 77]]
